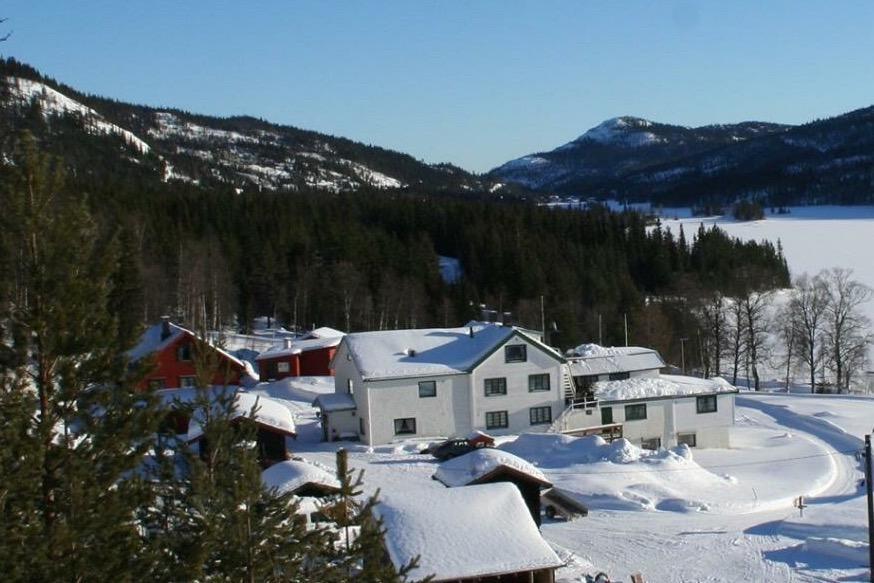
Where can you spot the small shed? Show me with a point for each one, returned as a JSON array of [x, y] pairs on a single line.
[[301, 478], [488, 466], [309, 355], [274, 423], [481, 534]]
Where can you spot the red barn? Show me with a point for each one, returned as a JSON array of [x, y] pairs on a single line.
[[173, 347], [309, 355]]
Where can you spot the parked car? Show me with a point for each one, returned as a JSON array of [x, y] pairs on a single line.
[[558, 502], [455, 447]]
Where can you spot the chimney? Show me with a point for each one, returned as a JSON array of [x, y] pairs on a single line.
[[411, 352], [165, 327], [287, 343], [470, 331], [507, 319], [483, 313]]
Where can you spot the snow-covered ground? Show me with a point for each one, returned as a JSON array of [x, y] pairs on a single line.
[[683, 515], [813, 237]]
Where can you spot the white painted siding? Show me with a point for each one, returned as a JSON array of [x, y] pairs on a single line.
[[444, 415], [665, 419], [518, 400]]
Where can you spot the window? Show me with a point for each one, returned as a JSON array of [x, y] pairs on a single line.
[[427, 389], [183, 352], [606, 415], [495, 387], [619, 376], [706, 404], [653, 443], [538, 382], [496, 419], [361, 426], [187, 382], [349, 386], [688, 438], [282, 366], [516, 353], [540, 415], [405, 426], [155, 384], [635, 412]]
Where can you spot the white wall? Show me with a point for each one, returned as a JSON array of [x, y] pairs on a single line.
[[518, 399], [665, 418], [445, 415]]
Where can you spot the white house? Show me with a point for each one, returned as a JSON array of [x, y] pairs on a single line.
[[434, 382], [658, 411]]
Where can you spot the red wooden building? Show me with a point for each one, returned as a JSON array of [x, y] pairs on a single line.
[[309, 355], [172, 348]]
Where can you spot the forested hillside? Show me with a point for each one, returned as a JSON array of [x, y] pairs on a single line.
[[212, 253]]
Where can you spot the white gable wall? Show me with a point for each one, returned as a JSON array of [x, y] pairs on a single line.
[[445, 415], [518, 399]]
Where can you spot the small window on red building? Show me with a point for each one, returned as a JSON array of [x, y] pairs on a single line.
[[183, 353]]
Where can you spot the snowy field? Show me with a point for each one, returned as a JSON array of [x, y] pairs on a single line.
[[680, 515], [813, 237]]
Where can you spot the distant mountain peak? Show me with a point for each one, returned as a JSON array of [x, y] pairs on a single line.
[[625, 130]]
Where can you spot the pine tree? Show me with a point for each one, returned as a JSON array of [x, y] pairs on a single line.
[[76, 431]]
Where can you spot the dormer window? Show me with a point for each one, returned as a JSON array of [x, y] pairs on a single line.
[[515, 353], [183, 352]]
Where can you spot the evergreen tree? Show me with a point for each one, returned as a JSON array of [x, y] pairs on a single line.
[[76, 431]]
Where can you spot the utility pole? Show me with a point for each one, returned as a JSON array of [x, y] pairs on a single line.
[[600, 338], [543, 321], [625, 317], [869, 487], [683, 354]]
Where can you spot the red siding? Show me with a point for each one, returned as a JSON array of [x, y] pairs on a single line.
[[312, 363], [170, 370]]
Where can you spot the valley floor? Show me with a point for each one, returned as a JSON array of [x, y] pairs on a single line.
[[699, 515]]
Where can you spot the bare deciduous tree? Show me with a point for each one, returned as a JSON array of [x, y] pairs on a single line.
[[847, 330], [806, 315]]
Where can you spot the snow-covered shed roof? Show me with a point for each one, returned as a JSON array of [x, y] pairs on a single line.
[[270, 413], [151, 342], [335, 402], [481, 464], [292, 475], [302, 345], [429, 351], [464, 532], [324, 332], [660, 387], [592, 359]]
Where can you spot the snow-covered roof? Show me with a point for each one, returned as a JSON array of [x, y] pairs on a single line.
[[480, 464], [324, 332], [335, 402], [464, 532], [659, 387], [428, 352], [290, 476], [270, 413], [303, 345], [151, 342], [592, 359]]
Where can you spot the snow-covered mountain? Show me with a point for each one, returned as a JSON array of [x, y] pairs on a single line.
[[622, 146], [243, 152], [825, 161]]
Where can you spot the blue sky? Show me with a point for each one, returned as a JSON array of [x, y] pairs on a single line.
[[475, 83]]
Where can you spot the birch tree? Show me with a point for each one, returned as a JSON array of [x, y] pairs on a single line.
[[847, 330], [806, 314]]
